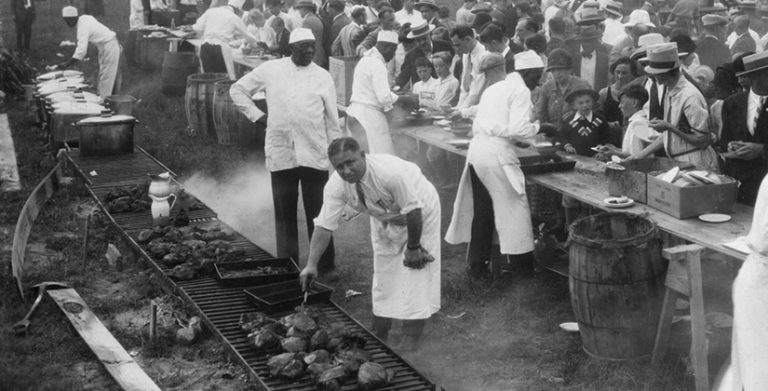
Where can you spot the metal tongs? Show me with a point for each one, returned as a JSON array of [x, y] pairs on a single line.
[[306, 294]]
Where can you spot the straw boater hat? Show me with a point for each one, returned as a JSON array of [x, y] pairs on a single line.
[[584, 91], [639, 17], [713, 20], [305, 4], [427, 3], [69, 12], [530, 60], [420, 30], [236, 3], [662, 58], [614, 8], [301, 34], [754, 63], [643, 43], [588, 16], [588, 33], [557, 59]]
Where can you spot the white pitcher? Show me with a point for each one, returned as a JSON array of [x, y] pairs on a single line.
[[161, 208]]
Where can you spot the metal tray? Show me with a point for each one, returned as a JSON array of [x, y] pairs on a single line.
[[286, 295], [546, 163], [229, 280]]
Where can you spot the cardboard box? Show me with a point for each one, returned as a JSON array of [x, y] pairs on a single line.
[[342, 70], [632, 182], [686, 202]]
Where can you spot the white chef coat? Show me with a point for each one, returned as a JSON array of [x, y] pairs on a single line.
[[220, 25], [371, 97], [503, 117], [136, 18], [392, 188], [758, 41], [89, 30], [749, 358], [414, 18], [301, 122], [470, 95]]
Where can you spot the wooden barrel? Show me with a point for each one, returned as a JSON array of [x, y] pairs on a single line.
[[229, 122], [616, 277], [177, 66], [149, 51], [199, 101]]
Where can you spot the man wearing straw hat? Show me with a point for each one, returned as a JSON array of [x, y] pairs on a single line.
[[89, 30], [428, 10], [685, 124], [218, 27], [711, 49], [638, 25], [591, 61], [371, 96], [302, 122], [614, 11], [422, 36]]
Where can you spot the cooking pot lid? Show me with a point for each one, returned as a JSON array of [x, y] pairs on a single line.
[[66, 87], [114, 119], [60, 81], [78, 108], [55, 74], [68, 96]]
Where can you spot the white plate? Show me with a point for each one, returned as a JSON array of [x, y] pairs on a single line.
[[671, 175], [599, 148], [618, 202], [715, 218], [571, 327], [461, 143], [615, 166]]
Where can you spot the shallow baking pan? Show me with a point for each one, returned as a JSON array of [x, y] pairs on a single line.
[[286, 295], [546, 163], [248, 273]]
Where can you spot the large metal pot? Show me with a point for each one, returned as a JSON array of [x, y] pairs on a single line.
[[121, 104], [106, 135]]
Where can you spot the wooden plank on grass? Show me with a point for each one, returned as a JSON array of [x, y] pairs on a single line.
[[126, 372], [9, 172]]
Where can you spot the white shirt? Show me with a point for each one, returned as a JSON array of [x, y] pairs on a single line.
[[427, 92], [89, 30], [637, 123], [588, 66], [758, 42], [445, 90], [371, 15], [369, 83], [136, 18], [395, 65], [470, 97], [614, 29], [301, 122], [289, 22], [220, 25], [754, 102], [464, 16], [414, 18], [391, 186], [157, 4]]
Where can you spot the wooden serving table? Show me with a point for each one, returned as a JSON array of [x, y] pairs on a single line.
[[588, 184]]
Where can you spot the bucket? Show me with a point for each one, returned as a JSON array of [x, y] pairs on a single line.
[[199, 101], [616, 278], [177, 66], [121, 104], [149, 51]]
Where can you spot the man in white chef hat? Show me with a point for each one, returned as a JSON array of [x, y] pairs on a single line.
[[89, 30], [372, 97]]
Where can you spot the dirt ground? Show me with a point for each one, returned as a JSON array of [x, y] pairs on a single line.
[[497, 335]]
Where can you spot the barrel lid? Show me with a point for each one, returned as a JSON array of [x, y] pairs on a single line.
[[74, 107], [114, 119]]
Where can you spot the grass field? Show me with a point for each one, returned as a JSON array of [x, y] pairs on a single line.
[[499, 335]]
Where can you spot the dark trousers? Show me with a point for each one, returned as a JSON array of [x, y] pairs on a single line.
[[285, 195], [212, 59], [23, 34], [411, 327], [483, 225]]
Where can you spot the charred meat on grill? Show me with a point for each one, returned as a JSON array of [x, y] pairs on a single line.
[[285, 365], [332, 379], [373, 376]]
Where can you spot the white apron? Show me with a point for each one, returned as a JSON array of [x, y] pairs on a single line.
[[136, 18], [376, 127], [397, 291], [497, 166], [109, 67]]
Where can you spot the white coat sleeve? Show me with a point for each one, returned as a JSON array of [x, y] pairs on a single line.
[[333, 204], [199, 26], [519, 125], [380, 85], [332, 128], [83, 32], [403, 190], [242, 91]]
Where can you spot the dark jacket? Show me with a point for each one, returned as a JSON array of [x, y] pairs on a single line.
[[749, 172], [712, 52], [408, 69], [20, 13], [602, 69], [583, 135], [744, 43], [283, 48], [336, 26], [313, 22]]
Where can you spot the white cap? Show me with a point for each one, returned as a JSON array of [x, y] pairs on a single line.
[[236, 3], [301, 34], [528, 60], [69, 12], [387, 36]]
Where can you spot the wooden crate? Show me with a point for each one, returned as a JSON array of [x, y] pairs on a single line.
[[632, 182], [686, 202], [342, 70]]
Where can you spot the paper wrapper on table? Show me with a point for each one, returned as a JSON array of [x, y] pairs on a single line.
[[632, 182], [691, 201], [342, 70]]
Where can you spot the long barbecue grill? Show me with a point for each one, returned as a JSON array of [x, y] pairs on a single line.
[[219, 306]]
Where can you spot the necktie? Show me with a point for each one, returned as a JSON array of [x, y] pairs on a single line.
[[759, 110], [360, 194], [655, 110], [468, 73]]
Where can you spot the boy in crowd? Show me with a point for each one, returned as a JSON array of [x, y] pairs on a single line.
[[638, 134], [582, 128], [426, 86]]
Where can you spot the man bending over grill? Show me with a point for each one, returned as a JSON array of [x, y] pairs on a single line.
[[405, 231]]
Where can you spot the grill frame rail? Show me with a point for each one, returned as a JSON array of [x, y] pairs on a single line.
[[220, 307]]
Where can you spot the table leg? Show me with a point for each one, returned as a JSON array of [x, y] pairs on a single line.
[[698, 322], [665, 323]]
